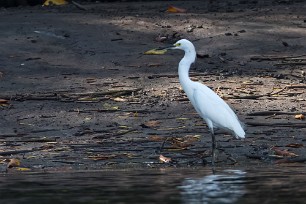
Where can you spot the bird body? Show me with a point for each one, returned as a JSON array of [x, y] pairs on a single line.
[[215, 112], [207, 103]]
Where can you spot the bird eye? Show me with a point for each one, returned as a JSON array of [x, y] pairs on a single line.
[[178, 44]]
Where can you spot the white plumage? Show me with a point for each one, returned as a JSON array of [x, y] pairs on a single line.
[[207, 103]]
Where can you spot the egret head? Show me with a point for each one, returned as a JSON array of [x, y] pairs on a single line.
[[188, 47], [183, 44]]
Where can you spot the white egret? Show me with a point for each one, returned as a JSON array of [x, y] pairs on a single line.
[[215, 112]]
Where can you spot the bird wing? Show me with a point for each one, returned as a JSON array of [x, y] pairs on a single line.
[[212, 108]]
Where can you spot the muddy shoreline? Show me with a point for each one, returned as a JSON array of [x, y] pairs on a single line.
[[78, 93]]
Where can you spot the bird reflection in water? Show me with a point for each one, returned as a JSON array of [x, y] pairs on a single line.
[[225, 187]]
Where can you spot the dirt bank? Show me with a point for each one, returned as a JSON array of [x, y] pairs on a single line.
[[80, 94]]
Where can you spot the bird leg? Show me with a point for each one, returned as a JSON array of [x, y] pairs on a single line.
[[213, 142]]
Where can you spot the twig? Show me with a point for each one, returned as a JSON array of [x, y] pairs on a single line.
[[19, 151], [291, 160], [254, 156], [271, 58], [163, 145], [67, 96], [12, 135], [245, 97], [232, 159], [112, 110], [277, 124], [290, 63], [33, 140], [115, 134], [268, 113], [291, 86], [79, 6]]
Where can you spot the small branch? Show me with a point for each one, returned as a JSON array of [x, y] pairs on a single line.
[[245, 97], [291, 160], [7, 153], [303, 125], [79, 6], [290, 63], [67, 97], [111, 110], [268, 113], [272, 58]]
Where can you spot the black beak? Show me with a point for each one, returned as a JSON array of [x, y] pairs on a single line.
[[170, 47]]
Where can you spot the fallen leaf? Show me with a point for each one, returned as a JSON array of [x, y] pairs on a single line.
[[182, 119], [13, 163], [151, 123], [155, 52], [87, 118], [284, 153], [102, 157], [55, 2], [173, 9], [130, 155], [154, 65], [23, 169], [108, 106], [119, 99], [299, 117], [87, 99], [91, 80], [156, 138], [161, 38], [294, 145], [2, 101], [164, 159], [185, 141]]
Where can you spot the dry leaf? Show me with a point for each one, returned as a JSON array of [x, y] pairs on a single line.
[[156, 138], [173, 9], [119, 99], [294, 145], [13, 163], [154, 65], [102, 157], [155, 52], [284, 153], [55, 2], [87, 99], [299, 117], [3, 101], [108, 106], [182, 119], [91, 80], [152, 123], [164, 159], [23, 169], [186, 141]]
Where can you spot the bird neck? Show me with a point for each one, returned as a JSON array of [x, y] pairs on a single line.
[[184, 66]]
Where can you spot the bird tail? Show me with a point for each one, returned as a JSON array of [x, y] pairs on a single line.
[[239, 131]]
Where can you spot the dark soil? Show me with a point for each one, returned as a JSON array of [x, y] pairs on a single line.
[[78, 92]]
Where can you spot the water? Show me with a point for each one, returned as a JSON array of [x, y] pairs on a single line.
[[276, 184]]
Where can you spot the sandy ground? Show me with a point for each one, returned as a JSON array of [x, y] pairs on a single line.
[[78, 93]]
